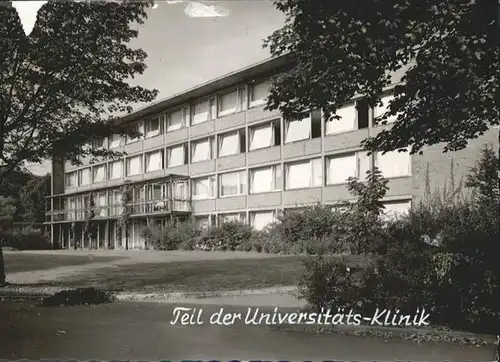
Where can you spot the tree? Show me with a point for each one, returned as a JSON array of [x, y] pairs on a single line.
[[32, 197], [63, 84], [347, 48], [7, 210], [66, 82]]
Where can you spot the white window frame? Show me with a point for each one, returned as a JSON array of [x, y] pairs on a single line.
[[359, 171], [211, 145], [254, 213], [169, 155], [212, 186], [242, 183], [148, 133], [103, 166], [229, 134], [389, 214], [210, 113], [307, 119], [343, 107], [140, 129], [141, 165], [406, 154], [257, 102], [68, 177], [312, 174], [110, 170], [238, 107], [148, 155], [184, 118], [259, 127], [98, 143], [233, 217], [80, 178], [379, 111], [276, 182], [112, 141]]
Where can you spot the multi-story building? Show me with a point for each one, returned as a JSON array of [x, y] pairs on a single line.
[[213, 153]]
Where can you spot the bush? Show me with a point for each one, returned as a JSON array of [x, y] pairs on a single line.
[[26, 238], [229, 236], [171, 237], [442, 256]]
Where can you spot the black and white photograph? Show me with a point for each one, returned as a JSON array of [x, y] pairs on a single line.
[[250, 180]]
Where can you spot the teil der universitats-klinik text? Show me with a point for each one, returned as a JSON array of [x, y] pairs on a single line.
[[253, 316]]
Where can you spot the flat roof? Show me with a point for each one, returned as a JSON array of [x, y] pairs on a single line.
[[241, 75]]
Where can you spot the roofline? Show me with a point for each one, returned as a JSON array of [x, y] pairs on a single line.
[[266, 66]]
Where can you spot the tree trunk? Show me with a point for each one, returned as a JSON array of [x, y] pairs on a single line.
[[2, 268]]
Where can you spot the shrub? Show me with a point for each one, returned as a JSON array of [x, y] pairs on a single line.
[[26, 238], [229, 236], [171, 237]]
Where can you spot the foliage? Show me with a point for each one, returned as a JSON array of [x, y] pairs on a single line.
[[7, 211], [449, 51], [26, 238], [229, 236], [171, 237], [82, 296], [124, 220], [62, 84], [442, 256], [89, 227], [483, 177], [32, 196]]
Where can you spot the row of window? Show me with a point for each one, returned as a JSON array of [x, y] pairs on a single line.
[[262, 218], [300, 175], [353, 115], [230, 143], [205, 110]]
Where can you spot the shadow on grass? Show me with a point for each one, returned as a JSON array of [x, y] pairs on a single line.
[[24, 262], [199, 276], [81, 296]]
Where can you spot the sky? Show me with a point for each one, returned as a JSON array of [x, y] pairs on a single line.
[[185, 51]]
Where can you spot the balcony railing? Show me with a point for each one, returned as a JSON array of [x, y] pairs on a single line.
[[136, 208]]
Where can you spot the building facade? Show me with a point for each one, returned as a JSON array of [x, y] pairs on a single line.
[[214, 154]]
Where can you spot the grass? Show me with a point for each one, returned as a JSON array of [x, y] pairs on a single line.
[[21, 262], [195, 276]]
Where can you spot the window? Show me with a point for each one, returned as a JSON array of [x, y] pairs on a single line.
[[304, 174], [137, 128], [176, 155], [233, 183], [393, 164], [232, 217], [231, 102], [100, 204], [393, 209], [154, 127], [98, 143], [71, 179], [259, 93], [202, 150], [154, 161], [203, 188], [134, 165], [115, 169], [84, 177], [260, 219], [203, 111], [99, 173], [347, 114], [202, 222], [261, 136], [379, 111], [115, 141], [177, 119], [232, 143], [71, 207], [298, 129], [341, 167], [265, 179], [115, 203]]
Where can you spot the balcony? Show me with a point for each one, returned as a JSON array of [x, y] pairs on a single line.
[[156, 197]]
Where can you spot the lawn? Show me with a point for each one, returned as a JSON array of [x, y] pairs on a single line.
[[194, 276], [24, 262]]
